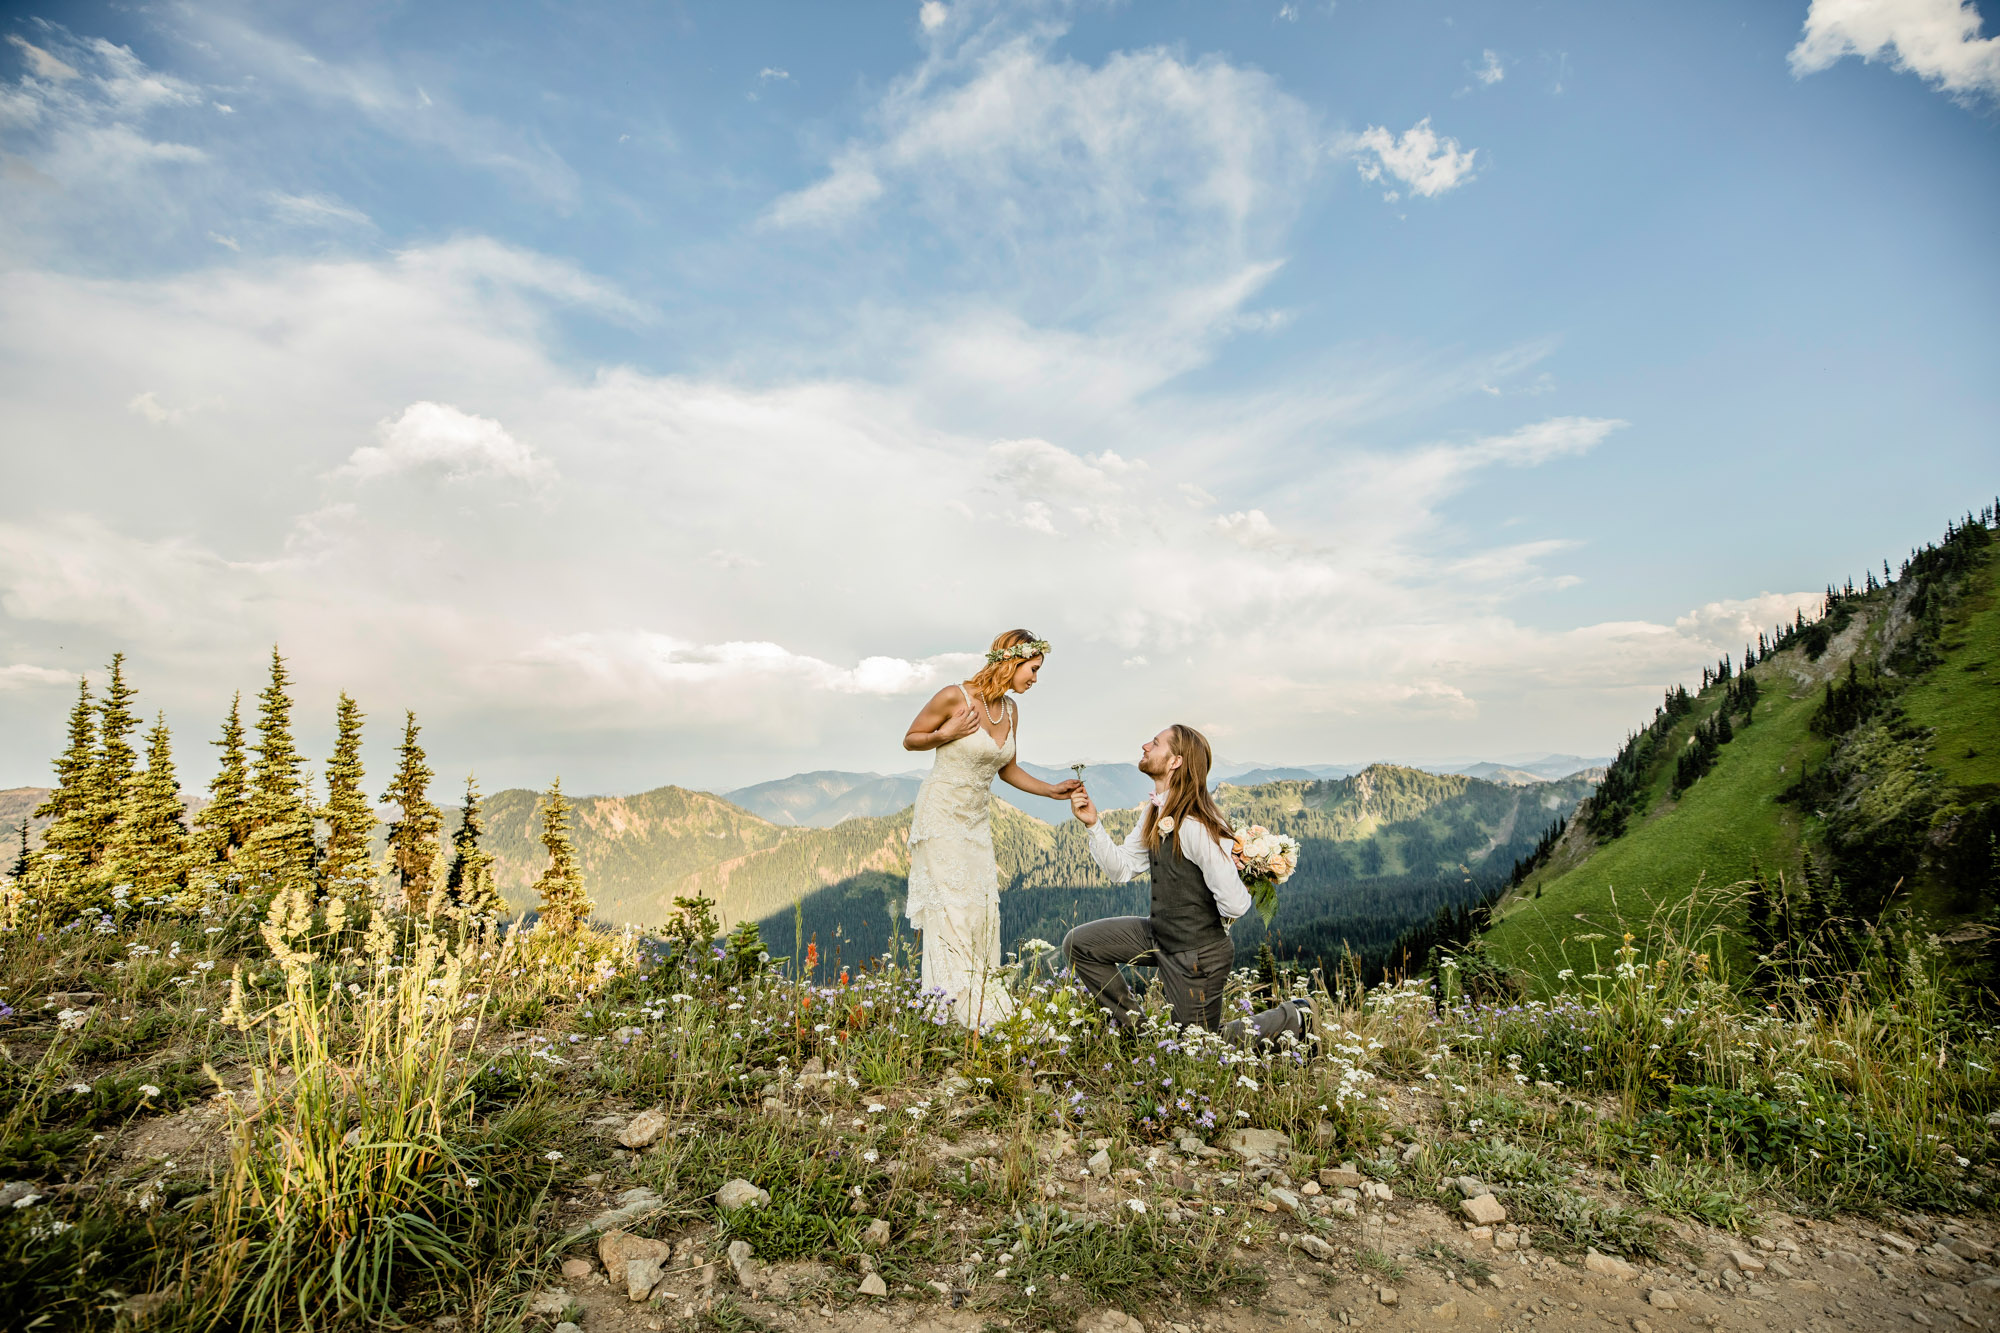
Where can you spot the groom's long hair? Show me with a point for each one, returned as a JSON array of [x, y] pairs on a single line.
[[1187, 790]]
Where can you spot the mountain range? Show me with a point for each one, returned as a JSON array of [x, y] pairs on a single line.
[[824, 798]]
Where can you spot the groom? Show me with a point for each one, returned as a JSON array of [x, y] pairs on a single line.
[[1197, 894]]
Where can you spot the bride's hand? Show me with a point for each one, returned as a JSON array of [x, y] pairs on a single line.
[[962, 723], [1061, 791]]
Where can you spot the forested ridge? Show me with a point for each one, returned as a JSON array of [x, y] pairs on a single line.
[[1828, 791]]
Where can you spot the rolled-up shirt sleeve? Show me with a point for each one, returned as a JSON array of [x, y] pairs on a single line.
[[1218, 869], [1119, 861]]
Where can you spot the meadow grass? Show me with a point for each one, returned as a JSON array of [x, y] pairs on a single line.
[[1710, 838], [391, 1137], [1960, 702]]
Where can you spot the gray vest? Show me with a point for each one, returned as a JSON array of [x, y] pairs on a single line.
[[1184, 915]]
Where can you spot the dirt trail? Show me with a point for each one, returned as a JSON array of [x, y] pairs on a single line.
[[1801, 1275]]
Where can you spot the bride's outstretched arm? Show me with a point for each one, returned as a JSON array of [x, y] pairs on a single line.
[[1016, 776]]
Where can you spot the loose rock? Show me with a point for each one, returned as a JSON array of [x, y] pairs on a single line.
[[1340, 1177], [876, 1234], [1109, 1321], [741, 1194], [1662, 1299], [1099, 1164], [1316, 1247], [873, 1285], [615, 1249], [641, 1276], [1746, 1262], [575, 1270], [1254, 1144], [643, 1129], [1444, 1313], [1609, 1266], [743, 1263], [1484, 1210]]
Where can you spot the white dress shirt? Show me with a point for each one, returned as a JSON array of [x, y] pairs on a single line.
[[1123, 862]]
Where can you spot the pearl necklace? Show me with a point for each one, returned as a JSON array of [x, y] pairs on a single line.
[[989, 712]]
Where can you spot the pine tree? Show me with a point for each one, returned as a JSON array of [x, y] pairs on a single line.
[[150, 851], [565, 906], [19, 871], [279, 852], [116, 766], [413, 839], [470, 881], [223, 825], [344, 866], [60, 869]]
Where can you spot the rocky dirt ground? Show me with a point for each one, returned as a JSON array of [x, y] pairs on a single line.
[[1371, 1262]]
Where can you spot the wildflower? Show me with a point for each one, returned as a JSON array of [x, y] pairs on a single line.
[[472, 1182], [1136, 1205], [148, 1090], [552, 1156], [876, 1108]]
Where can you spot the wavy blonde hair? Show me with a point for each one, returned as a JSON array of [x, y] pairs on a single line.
[[1187, 790], [993, 679]]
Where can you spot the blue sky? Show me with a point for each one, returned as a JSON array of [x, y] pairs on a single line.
[[679, 393]]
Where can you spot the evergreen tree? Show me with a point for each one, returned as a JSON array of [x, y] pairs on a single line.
[[279, 852], [223, 825], [470, 882], [19, 872], [117, 764], [61, 867], [565, 905], [344, 866], [150, 851], [413, 839]]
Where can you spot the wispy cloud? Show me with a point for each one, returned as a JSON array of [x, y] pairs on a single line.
[[393, 101], [317, 210]]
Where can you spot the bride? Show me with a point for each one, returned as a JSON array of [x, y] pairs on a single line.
[[954, 885]]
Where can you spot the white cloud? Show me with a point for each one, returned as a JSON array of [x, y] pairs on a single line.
[[41, 63], [387, 97], [79, 139], [932, 15], [851, 188], [22, 676], [770, 72], [317, 210], [1937, 40], [1418, 158], [1491, 69], [1100, 190], [738, 580], [440, 437]]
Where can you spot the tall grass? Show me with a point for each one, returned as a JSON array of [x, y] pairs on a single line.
[[403, 1100]]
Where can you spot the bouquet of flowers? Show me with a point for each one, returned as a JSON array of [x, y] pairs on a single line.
[[1268, 860]]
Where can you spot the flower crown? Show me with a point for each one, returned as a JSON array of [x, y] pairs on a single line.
[[1032, 648]]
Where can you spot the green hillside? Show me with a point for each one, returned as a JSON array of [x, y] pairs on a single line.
[[1859, 782]]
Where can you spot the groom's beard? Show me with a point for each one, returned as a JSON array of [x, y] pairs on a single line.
[[1153, 768]]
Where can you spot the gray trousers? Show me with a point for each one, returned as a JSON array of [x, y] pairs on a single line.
[[1193, 978]]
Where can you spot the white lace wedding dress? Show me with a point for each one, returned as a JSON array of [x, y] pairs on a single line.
[[954, 885]]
